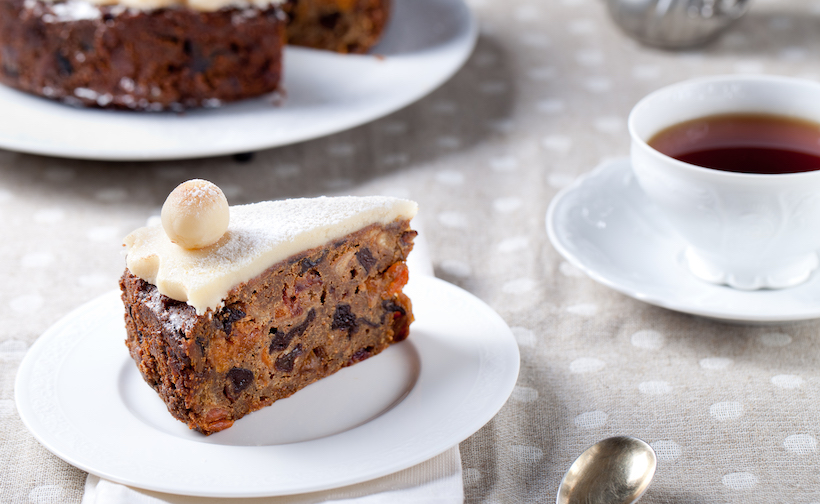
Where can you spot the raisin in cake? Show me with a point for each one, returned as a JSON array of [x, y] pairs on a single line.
[[345, 26], [292, 292], [142, 54]]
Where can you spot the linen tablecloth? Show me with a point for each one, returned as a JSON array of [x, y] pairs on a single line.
[[732, 410]]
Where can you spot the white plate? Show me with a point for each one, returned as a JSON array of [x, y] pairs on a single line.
[[425, 43], [80, 394], [605, 225]]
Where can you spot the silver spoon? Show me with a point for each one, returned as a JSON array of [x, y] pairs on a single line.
[[617, 470]]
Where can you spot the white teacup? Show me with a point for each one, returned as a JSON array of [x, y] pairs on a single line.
[[748, 231]]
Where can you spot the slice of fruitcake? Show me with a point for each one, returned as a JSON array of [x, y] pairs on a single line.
[[228, 309]]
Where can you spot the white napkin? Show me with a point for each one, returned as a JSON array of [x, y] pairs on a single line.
[[436, 481]]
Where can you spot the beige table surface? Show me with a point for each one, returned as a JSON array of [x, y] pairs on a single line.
[[732, 410]]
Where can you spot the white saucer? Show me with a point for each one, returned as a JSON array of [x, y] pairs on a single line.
[[81, 395], [606, 226], [426, 42]]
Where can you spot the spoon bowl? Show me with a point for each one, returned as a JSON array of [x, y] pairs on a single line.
[[617, 470]]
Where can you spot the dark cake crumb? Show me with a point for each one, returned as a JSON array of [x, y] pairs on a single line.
[[337, 25]]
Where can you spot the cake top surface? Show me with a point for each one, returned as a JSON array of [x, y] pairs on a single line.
[[259, 235], [79, 9]]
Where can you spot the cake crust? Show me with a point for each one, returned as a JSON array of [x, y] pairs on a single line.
[[301, 320]]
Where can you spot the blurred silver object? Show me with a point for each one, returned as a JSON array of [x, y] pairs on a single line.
[[675, 24]]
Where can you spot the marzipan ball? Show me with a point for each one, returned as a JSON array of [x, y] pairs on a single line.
[[195, 214]]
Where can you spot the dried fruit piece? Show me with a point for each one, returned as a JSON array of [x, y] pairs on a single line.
[[366, 259], [238, 380], [343, 318], [360, 355], [285, 363], [281, 340], [227, 316]]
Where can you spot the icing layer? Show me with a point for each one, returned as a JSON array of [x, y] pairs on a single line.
[[259, 236]]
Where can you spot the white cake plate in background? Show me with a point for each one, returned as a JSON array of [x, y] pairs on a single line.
[[80, 394], [605, 225], [426, 42]]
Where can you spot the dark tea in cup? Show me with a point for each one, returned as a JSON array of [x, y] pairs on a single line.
[[744, 143]]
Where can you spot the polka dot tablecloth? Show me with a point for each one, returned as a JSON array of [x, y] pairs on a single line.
[[732, 411]]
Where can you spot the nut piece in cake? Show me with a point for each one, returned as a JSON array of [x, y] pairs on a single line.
[[294, 291]]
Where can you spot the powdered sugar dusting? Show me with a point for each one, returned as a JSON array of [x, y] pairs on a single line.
[[178, 319], [73, 10], [258, 236], [174, 318], [88, 94], [153, 302], [203, 192], [270, 224]]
